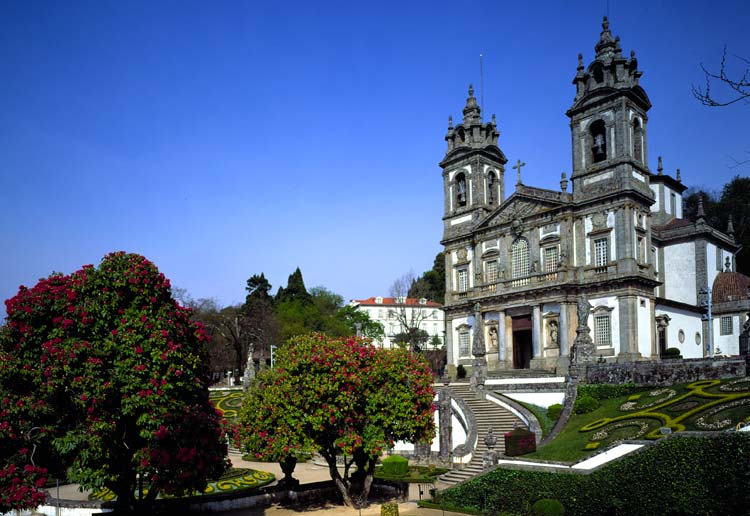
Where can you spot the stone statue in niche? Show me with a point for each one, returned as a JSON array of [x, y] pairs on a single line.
[[554, 334], [493, 338]]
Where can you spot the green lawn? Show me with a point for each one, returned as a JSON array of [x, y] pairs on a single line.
[[697, 406]]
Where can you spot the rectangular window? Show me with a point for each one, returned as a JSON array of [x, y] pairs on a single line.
[[463, 344], [550, 259], [641, 249], [601, 252], [602, 331], [727, 327], [490, 271], [463, 280]]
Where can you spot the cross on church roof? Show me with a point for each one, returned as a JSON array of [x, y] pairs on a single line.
[[518, 166]]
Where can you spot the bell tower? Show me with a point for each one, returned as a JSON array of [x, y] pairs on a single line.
[[473, 169], [608, 123]]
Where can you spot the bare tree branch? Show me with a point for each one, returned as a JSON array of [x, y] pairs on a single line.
[[739, 87]]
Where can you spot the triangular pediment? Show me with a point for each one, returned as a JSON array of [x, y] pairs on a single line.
[[518, 207]]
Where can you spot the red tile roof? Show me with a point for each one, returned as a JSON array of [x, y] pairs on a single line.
[[730, 286], [410, 301]]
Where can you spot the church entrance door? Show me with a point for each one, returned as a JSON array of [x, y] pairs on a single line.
[[521, 342]]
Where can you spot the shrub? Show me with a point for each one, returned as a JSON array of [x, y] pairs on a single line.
[[606, 391], [670, 353], [460, 371], [389, 509], [395, 466], [585, 404], [547, 507], [679, 475], [553, 411]]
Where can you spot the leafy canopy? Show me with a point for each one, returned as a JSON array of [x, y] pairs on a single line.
[[340, 397], [101, 375]]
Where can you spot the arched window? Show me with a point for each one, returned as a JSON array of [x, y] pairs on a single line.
[[637, 140], [460, 190], [598, 141], [491, 187], [598, 73], [520, 261]]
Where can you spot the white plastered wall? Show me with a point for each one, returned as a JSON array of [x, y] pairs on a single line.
[[690, 324], [727, 344], [614, 320], [645, 325], [679, 272]]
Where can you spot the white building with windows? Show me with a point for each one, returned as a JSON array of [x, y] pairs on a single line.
[[397, 314], [617, 237]]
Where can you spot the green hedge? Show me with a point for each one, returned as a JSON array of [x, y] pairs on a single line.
[[554, 411], [606, 391], [395, 466], [585, 404], [678, 476]]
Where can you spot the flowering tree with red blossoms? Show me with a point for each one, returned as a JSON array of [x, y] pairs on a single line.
[[339, 397], [101, 380]]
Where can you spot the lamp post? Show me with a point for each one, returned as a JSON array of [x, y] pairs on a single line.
[[709, 317]]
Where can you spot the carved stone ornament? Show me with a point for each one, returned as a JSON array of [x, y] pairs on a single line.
[[462, 254], [599, 220], [517, 227]]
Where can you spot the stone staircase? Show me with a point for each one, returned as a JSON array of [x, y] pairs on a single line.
[[520, 373], [487, 413]]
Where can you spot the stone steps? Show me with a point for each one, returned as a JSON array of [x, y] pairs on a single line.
[[487, 414]]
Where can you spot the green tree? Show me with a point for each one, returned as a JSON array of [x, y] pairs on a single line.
[[431, 285], [413, 338], [734, 201], [259, 319], [295, 289], [344, 398], [358, 319], [101, 372]]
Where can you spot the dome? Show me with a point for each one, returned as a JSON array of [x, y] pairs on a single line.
[[730, 286]]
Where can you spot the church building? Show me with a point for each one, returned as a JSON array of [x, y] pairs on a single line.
[[614, 233]]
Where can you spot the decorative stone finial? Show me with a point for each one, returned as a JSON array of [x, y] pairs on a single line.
[[494, 121], [677, 176], [563, 182], [727, 265], [580, 61], [659, 166], [450, 123], [730, 227], [471, 90], [701, 213], [605, 24]]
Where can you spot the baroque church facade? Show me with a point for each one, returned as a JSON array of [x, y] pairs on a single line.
[[517, 267]]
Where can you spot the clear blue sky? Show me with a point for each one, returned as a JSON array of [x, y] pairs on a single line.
[[223, 139]]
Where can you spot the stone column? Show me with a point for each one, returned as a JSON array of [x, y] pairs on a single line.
[[536, 326], [449, 343], [445, 423], [564, 329], [501, 341], [628, 328], [479, 350]]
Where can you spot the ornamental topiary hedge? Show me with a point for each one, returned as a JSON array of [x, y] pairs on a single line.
[[395, 466], [585, 404], [389, 509], [607, 391], [677, 476]]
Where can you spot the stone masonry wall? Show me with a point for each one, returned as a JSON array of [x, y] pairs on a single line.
[[667, 372]]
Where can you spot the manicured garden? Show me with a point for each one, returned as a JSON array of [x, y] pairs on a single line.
[[677, 476], [234, 480], [606, 414]]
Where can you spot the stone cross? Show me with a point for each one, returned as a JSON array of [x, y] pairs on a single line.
[[518, 166]]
